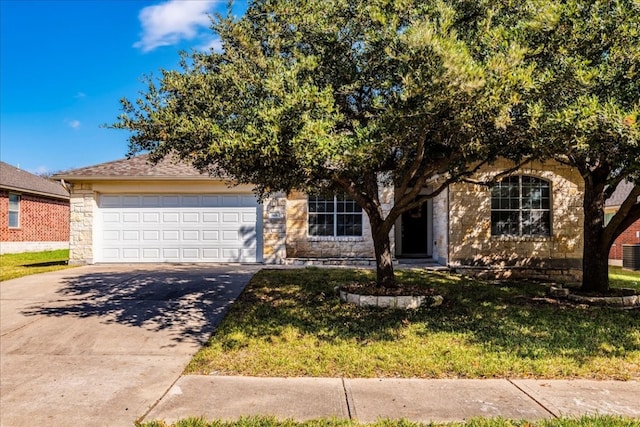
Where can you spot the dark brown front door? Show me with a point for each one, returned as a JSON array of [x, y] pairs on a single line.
[[415, 232]]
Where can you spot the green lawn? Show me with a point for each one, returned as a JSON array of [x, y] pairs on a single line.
[[592, 421], [290, 323], [24, 264], [620, 278]]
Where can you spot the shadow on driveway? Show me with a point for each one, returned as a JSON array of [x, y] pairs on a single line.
[[185, 301]]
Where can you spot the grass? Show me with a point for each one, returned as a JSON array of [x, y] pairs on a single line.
[[588, 421], [18, 265], [620, 278], [290, 323]]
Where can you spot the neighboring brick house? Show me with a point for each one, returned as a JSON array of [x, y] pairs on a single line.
[[34, 212], [530, 224], [632, 234]]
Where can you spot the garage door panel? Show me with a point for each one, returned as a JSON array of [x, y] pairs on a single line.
[[211, 253], [190, 235], [131, 235], [113, 217], [131, 253], [171, 217], [175, 228], [210, 236], [210, 217], [149, 235], [170, 235], [172, 254], [193, 217], [151, 217]]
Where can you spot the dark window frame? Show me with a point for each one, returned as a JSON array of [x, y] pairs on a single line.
[[339, 216], [521, 206]]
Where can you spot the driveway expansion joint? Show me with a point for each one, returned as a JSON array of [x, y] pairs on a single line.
[[347, 398], [523, 391]]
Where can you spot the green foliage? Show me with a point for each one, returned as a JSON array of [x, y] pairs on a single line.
[[290, 323], [330, 94]]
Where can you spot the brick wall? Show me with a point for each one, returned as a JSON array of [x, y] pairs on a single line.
[[41, 219], [629, 237]]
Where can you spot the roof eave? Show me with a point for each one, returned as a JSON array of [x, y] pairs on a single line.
[[72, 178], [38, 193]]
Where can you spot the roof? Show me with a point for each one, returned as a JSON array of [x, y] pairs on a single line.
[[137, 167], [621, 193], [12, 178]]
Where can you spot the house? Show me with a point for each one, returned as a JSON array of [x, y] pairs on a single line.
[[34, 212], [632, 234], [530, 224]]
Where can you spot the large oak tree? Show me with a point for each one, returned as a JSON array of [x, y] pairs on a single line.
[[585, 109], [345, 96]]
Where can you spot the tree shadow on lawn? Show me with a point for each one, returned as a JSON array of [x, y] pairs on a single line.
[[515, 318], [189, 301]]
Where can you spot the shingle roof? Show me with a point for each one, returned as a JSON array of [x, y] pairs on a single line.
[[621, 193], [134, 167], [12, 178]]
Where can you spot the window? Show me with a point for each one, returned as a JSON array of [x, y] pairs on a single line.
[[14, 210], [337, 216], [521, 206]]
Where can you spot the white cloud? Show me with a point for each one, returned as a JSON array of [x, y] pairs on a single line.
[[170, 22], [74, 124], [80, 95]]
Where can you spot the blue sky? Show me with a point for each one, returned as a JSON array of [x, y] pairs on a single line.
[[64, 66]]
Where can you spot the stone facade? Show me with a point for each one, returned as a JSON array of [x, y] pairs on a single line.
[[300, 245], [461, 226], [473, 250], [44, 224], [83, 208], [274, 214]]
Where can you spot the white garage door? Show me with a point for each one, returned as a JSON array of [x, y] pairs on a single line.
[[179, 228]]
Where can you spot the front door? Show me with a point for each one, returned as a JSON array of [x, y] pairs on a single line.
[[415, 239]]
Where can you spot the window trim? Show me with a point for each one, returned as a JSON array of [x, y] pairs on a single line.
[[334, 236], [521, 210], [17, 211]]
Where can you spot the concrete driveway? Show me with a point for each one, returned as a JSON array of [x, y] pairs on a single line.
[[100, 345]]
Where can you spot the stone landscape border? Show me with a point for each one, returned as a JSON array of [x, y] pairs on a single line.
[[404, 302], [626, 301]]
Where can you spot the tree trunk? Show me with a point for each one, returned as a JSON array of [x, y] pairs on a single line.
[[595, 255], [385, 277]]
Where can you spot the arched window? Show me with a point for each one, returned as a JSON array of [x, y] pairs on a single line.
[[521, 206]]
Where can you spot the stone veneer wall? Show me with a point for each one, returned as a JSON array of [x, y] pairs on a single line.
[[274, 213], [473, 250], [440, 228], [300, 245], [83, 206]]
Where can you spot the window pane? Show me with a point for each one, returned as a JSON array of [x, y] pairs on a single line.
[[321, 224], [14, 202], [14, 219], [349, 225], [521, 206], [504, 223], [537, 223]]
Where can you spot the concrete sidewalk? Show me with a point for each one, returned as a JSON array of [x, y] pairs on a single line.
[[367, 400]]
